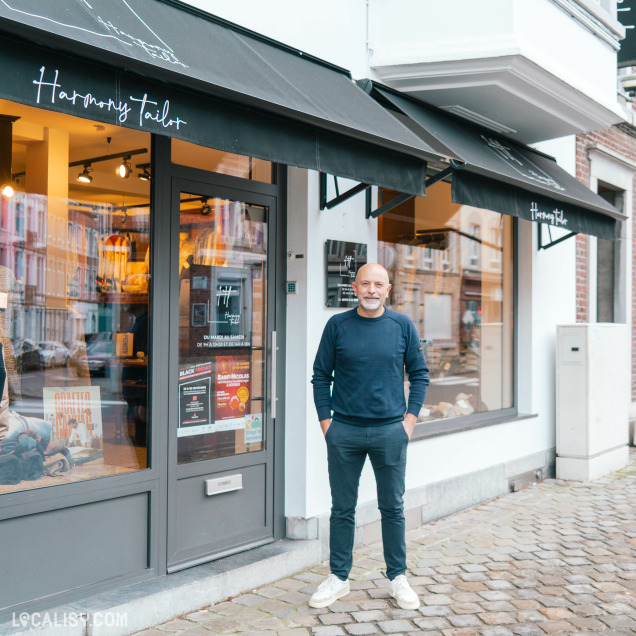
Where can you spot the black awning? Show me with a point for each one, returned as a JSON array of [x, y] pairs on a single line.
[[341, 129], [502, 175]]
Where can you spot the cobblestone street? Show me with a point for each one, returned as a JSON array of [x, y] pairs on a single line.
[[558, 558]]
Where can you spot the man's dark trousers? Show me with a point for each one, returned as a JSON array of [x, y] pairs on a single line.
[[347, 449]]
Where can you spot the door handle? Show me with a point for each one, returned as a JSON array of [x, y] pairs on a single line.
[[272, 383]]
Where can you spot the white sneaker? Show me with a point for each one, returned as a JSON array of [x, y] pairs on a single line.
[[330, 590], [402, 592]]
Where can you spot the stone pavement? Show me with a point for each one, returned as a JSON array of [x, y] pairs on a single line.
[[558, 558]]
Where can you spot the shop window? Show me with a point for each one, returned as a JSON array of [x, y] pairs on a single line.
[[193, 156], [74, 285], [457, 289]]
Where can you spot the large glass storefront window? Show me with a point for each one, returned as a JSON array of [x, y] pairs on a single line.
[[451, 271], [74, 282]]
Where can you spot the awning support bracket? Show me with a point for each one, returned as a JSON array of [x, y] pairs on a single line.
[[326, 204], [442, 174], [385, 207], [339, 198], [552, 243]]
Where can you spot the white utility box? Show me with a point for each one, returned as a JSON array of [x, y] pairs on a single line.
[[592, 400]]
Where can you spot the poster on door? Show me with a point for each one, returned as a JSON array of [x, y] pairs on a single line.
[[232, 392], [195, 395], [220, 308]]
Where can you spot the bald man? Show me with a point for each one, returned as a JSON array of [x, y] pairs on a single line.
[[364, 353]]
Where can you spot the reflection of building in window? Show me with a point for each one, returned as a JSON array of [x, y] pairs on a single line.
[[445, 259], [409, 254], [451, 253], [475, 247], [427, 258], [437, 317], [495, 254], [460, 303]]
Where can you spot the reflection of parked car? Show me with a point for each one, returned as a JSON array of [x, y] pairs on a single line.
[[27, 355], [53, 353], [99, 353]]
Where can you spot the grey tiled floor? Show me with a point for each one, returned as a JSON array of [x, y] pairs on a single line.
[[559, 558]]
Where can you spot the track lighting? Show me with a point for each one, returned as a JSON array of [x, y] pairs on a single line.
[[145, 175], [7, 190], [205, 208], [84, 176], [124, 169]]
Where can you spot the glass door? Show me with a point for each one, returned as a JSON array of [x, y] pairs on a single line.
[[222, 499]]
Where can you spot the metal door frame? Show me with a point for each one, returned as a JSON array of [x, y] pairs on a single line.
[[178, 179]]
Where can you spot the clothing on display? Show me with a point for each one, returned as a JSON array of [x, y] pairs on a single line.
[[114, 252], [233, 232]]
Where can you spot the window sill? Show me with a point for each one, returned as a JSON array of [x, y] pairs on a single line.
[[437, 428]]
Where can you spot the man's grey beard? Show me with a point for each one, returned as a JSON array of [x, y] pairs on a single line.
[[370, 305]]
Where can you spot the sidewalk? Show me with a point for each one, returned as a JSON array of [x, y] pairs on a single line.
[[558, 558]]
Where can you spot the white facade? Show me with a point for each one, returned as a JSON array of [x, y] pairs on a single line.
[[484, 294], [534, 70]]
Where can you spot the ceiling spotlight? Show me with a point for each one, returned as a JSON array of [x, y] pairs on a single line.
[[124, 169], [145, 175], [205, 208], [7, 190], [84, 176]]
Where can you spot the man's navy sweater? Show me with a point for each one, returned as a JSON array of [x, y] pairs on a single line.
[[365, 358]]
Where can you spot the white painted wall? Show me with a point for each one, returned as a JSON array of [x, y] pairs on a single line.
[[306, 480], [550, 37], [538, 30], [563, 150], [553, 300], [440, 31]]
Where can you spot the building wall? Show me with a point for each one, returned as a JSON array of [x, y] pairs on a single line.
[[546, 298], [358, 35], [540, 31], [615, 152]]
